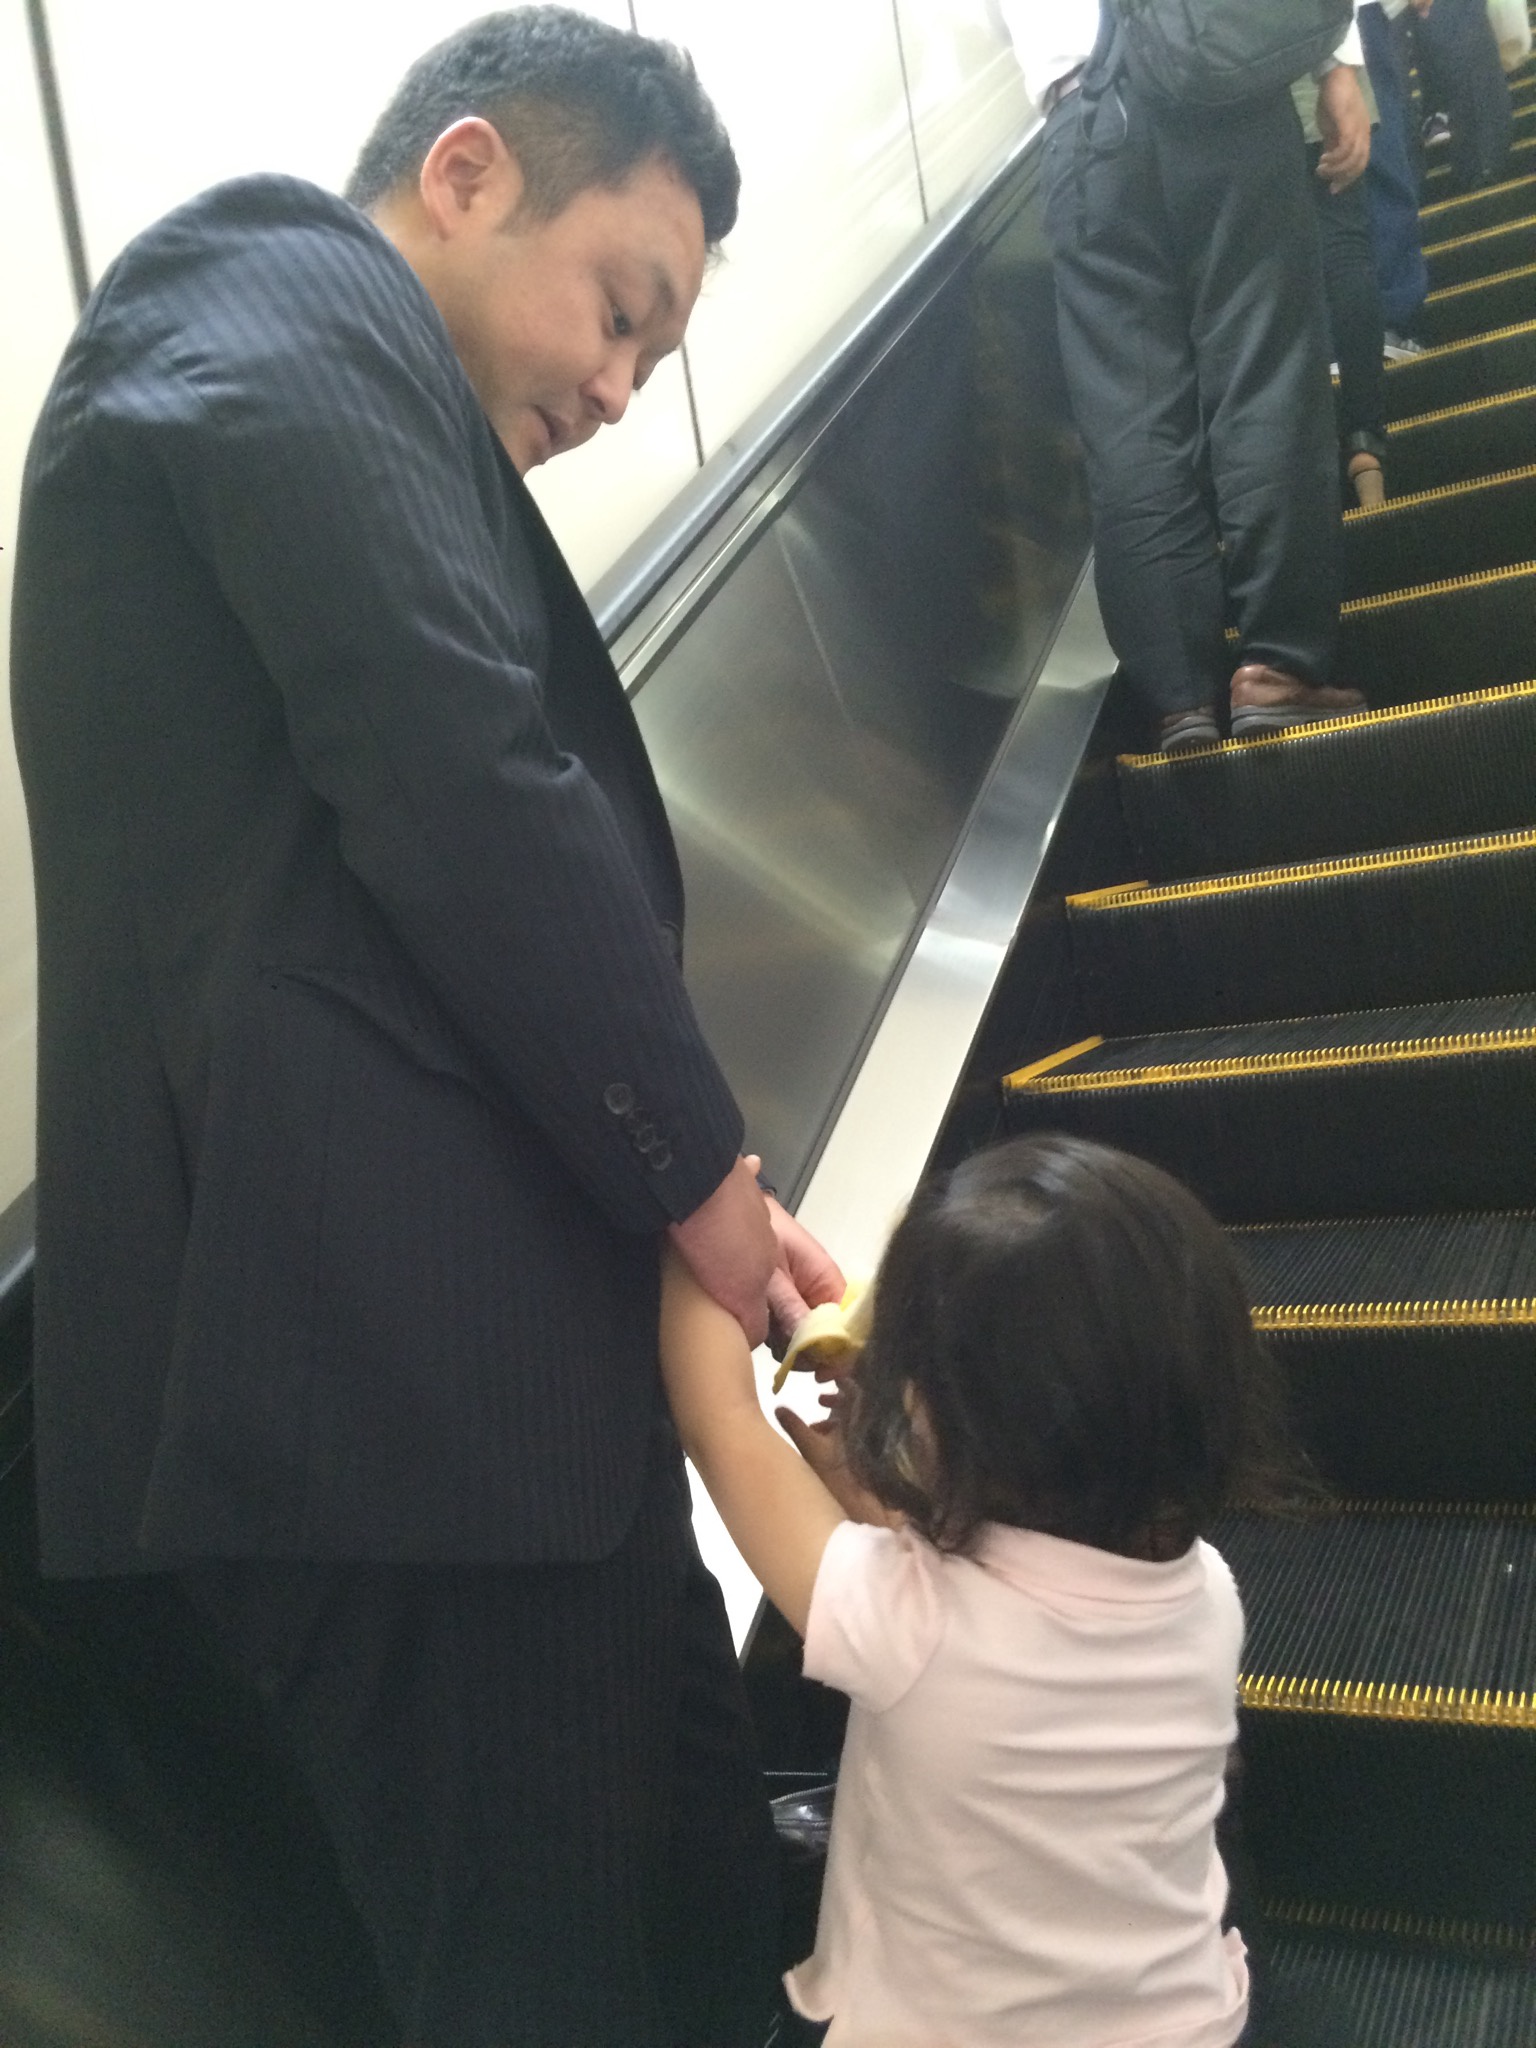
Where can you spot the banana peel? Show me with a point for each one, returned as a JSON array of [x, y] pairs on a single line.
[[831, 1336]]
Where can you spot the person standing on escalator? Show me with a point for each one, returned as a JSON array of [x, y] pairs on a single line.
[[369, 1083], [1190, 309]]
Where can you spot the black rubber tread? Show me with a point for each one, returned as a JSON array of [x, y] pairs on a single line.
[[1434, 642], [1482, 524], [1472, 309], [1466, 370], [1415, 1415], [1423, 1135], [1457, 767], [1418, 932], [1414, 1597], [1488, 1256], [1393, 1816], [1354, 1993], [1377, 1809], [1479, 252], [1510, 199], [1428, 1413], [1449, 447]]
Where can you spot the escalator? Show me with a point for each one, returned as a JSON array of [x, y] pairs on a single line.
[[1312, 999]]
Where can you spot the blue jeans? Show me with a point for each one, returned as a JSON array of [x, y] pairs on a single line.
[[1392, 176]]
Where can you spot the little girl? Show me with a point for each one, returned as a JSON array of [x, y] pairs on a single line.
[[1004, 1571]]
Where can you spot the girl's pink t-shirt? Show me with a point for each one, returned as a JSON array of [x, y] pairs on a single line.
[[1023, 1846]]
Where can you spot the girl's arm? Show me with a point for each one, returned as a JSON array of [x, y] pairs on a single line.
[[778, 1512]]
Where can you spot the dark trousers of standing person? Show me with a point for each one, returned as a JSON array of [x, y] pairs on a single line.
[[1354, 315], [1461, 77], [540, 1782], [1395, 174], [1190, 309]]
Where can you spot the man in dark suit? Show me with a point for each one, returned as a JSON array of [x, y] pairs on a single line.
[[368, 1082]]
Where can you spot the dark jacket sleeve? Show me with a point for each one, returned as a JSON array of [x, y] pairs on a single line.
[[296, 391]]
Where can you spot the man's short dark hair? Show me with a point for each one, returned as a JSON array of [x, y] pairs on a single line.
[[577, 102]]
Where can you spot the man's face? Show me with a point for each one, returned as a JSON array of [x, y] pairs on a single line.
[[557, 322]]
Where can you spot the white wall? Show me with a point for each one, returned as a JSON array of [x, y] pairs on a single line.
[[847, 116]]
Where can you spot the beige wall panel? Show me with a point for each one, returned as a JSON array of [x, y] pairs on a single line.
[[812, 95], [166, 98], [40, 313], [969, 105]]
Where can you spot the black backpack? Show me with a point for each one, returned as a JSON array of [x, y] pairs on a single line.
[[1215, 53]]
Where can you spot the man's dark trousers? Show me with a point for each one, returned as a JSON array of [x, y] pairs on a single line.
[[602, 1879], [1190, 308]]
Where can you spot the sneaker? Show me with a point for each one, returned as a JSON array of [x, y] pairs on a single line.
[[1437, 130], [1266, 699], [1399, 348]]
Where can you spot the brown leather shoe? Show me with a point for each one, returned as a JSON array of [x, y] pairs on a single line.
[[1267, 700]]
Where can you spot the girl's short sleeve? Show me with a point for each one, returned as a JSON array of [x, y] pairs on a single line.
[[876, 1613]]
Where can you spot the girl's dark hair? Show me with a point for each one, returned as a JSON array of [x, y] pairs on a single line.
[[577, 102], [1076, 1332]]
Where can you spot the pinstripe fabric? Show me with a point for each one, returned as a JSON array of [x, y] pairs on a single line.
[[367, 1076], [601, 1879]]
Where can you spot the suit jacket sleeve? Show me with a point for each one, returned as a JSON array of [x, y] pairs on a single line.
[[296, 390]]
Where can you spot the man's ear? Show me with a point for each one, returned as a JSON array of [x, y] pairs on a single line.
[[469, 179]]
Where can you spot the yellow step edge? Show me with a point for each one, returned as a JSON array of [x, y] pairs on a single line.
[[1418, 593], [1039, 1079], [1475, 235], [1317, 728], [1465, 410], [1517, 147], [1442, 349], [1468, 198], [1517, 1312], [1375, 1700], [1439, 493], [1480, 284], [1021, 1076], [1440, 1931], [1137, 894]]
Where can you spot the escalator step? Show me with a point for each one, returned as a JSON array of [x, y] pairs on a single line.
[[1478, 367], [1437, 182], [1416, 924], [1466, 633], [1429, 1108], [1510, 199], [1479, 252], [1389, 1707], [1489, 302], [1444, 769], [1454, 529], [1409, 1349], [1430, 1615], [1368, 1993], [1484, 437]]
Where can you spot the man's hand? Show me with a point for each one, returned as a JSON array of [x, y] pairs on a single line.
[[806, 1274], [1344, 122], [728, 1245]]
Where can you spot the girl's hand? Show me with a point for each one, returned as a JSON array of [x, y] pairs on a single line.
[[821, 1446]]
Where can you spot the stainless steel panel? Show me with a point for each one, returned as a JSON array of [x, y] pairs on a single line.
[[825, 685]]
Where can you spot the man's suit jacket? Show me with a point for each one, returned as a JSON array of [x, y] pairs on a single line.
[[367, 1076]]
